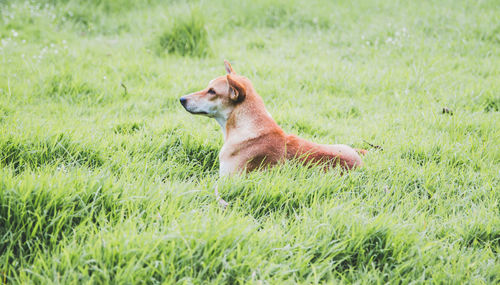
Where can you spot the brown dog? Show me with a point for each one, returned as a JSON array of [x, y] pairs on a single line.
[[252, 139]]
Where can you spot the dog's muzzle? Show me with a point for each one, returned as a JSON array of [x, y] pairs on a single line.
[[183, 101]]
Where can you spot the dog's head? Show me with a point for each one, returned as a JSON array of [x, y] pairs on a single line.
[[219, 98]]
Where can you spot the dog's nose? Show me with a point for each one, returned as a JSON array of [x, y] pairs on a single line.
[[183, 101]]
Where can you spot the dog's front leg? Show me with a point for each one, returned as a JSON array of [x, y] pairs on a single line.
[[221, 201]]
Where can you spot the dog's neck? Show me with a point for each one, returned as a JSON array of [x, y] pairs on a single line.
[[246, 121], [222, 120]]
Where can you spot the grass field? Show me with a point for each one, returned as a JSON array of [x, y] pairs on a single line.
[[105, 178]]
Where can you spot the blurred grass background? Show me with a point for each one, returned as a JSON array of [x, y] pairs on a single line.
[[106, 179]]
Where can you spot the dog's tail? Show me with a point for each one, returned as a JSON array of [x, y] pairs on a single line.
[[361, 151]]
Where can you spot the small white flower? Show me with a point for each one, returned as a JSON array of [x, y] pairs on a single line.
[[104, 77], [14, 33]]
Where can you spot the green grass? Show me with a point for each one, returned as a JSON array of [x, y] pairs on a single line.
[[187, 37], [104, 178]]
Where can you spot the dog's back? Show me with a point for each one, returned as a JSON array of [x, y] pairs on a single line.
[[313, 153]]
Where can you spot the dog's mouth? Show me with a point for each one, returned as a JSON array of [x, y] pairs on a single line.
[[194, 112], [197, 113]]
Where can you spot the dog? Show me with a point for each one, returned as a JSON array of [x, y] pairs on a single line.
[[252, 139]]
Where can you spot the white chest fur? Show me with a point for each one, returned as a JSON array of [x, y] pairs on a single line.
[[228, 164]]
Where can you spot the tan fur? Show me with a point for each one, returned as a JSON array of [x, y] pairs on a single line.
[[252, 139]]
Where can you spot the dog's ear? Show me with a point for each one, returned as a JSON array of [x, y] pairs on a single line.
[[237, 91], [229, 68]]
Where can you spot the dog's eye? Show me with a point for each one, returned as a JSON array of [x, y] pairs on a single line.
[[211, 91]]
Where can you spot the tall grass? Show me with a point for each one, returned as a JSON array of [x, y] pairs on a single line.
[[187, 36], [104, 178]]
